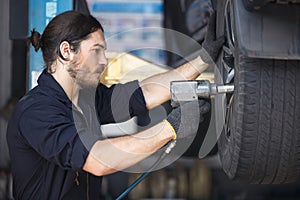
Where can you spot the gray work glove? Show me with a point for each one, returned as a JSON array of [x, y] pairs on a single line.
[[185, 119], [211, 45]]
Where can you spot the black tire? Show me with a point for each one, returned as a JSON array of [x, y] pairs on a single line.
[[263, 145], [261, 140]]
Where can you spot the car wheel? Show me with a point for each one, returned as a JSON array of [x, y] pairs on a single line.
[[260, 141]]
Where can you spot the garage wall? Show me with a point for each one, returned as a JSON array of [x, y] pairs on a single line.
[[5, 76]]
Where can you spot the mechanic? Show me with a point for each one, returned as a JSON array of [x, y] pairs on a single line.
[[55, 142]]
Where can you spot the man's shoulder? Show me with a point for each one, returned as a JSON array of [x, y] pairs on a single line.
[[34, 96], [37, 99]]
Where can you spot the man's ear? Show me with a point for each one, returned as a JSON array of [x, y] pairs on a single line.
[[65, 50]]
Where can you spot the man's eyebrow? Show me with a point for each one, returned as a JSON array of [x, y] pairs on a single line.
[[100, 45]]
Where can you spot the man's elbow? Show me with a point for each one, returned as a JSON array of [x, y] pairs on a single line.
[[96, 168]]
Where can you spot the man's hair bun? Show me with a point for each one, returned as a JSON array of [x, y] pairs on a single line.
[[35, 39]]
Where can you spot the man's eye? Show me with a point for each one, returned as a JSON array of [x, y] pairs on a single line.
[[97, 51]]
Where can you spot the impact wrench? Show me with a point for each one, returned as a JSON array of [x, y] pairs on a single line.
[[183, 91]]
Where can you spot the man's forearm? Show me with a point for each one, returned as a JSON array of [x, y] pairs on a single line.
[[111, 155], [156, 89]]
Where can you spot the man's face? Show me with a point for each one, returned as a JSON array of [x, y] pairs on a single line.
[[90, 60]]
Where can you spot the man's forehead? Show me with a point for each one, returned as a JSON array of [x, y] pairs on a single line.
[[96, 39], [99, 38]]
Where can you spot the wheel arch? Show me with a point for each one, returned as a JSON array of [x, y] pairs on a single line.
[[271, 32]]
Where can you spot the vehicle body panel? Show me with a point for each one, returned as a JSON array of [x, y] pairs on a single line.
[[270, 32]]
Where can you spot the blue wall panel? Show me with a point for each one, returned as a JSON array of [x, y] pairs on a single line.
[[39, 15]]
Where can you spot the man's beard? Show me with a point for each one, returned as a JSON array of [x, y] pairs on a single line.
[[80, 78]]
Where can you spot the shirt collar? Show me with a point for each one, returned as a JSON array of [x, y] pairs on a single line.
[[47, 81]]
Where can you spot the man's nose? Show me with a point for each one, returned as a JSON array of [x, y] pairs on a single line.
[[103, 60]]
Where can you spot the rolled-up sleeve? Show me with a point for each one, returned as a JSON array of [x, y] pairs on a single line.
[[120, 102]]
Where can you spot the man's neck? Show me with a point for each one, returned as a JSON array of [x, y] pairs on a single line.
[[68, 84]]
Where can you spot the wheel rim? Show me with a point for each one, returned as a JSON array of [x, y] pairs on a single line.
[[228, 66], [226, 141]]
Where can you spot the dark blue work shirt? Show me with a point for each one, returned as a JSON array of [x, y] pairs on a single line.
[[49, 139]]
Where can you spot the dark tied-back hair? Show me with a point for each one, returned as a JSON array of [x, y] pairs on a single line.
[[70, 26]]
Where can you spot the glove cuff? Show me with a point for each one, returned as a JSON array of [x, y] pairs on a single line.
[[172, 128]]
